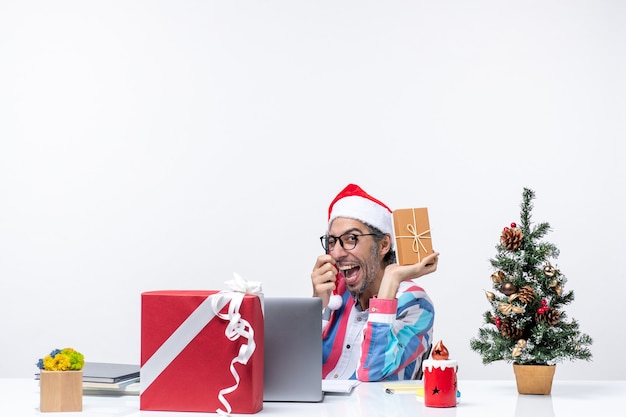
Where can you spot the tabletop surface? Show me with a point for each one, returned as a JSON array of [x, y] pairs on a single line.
[[20, 397]]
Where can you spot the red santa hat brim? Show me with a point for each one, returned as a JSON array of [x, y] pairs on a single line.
[[354, 203]]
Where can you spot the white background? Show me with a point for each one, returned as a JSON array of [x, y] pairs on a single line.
[[153, 145]]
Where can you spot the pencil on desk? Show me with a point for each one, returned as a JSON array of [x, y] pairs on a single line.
[[391, 388]]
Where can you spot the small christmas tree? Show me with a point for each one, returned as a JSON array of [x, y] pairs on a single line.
[[526, 323]]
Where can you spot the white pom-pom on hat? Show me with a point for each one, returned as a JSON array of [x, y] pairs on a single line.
[[335, 301]]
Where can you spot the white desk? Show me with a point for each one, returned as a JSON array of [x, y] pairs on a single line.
[[20, 397]]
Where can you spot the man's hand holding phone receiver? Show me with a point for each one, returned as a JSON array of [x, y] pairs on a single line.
[[324, 278]]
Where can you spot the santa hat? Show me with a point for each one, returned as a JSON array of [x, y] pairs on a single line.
[[354, 203]]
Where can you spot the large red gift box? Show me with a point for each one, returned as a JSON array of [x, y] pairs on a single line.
[[186, 355]]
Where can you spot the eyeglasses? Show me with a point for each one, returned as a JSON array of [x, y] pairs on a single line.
[[347, 241]]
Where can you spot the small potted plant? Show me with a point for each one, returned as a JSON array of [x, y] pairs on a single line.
[[61, 381], [527, 324]]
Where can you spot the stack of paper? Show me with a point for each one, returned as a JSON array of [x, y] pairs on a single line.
[[110, 378]]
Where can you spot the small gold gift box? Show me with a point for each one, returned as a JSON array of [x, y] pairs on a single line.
[[412, 233]]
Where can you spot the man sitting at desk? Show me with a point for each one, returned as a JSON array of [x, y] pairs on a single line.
[[377, 321]]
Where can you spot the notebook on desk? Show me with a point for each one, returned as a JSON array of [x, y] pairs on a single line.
[[109, 372], [293, 349]]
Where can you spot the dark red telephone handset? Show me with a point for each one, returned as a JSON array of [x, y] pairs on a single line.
[[335, 300]]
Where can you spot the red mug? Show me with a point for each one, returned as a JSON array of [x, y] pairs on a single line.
[[440, 382]]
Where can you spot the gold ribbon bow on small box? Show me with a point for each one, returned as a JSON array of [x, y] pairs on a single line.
[[413, 239]]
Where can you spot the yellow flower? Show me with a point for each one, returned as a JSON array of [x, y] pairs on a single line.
[[60, 362]]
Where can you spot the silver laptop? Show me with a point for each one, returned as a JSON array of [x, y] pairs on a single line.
[[293, 349]]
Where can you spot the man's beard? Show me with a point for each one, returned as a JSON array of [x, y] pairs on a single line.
[[370, 271]]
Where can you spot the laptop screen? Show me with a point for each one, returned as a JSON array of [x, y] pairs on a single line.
[[293, 349]]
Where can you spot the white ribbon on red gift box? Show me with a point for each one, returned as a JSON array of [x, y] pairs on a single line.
[[237, 327], [197, 320]]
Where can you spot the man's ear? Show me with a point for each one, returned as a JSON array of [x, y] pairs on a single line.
[[385, 245]]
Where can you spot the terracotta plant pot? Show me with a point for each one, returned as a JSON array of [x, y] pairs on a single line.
[[534, 379], [60, 391]]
